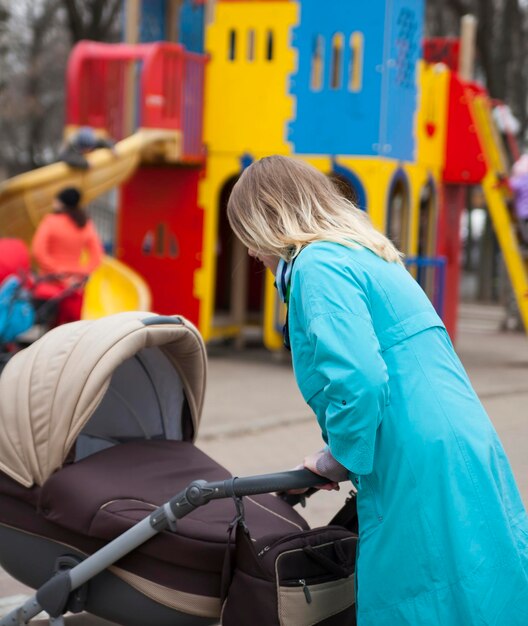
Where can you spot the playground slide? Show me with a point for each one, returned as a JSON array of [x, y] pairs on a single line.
[[26, 198], [494, 191], [114, 287]]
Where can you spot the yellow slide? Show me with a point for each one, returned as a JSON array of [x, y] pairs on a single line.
[[25, 199], [503, 222]]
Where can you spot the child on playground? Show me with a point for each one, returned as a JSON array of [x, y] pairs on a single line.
[[519, 185], [80, 143], [66, 244]]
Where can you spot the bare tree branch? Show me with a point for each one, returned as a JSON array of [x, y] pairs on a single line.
[[93, 19]]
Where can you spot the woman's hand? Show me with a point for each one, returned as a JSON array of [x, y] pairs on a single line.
[[323, 464], [313, 463]]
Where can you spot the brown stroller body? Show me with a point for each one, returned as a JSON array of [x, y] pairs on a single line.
[[97, 423]]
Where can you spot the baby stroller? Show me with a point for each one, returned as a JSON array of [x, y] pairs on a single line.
[[28, 301], [16, 311], [97, 423]]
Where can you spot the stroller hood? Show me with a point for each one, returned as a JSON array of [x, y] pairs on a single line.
[[50, 391]]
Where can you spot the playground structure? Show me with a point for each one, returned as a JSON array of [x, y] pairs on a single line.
[[348, 92], [475, 154]]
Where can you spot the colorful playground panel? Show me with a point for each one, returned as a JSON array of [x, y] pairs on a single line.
[[289, 78]]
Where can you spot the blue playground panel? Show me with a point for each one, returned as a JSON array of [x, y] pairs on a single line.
[[153, 21], [337, 120], [355, 183], [397, 139], [192, 26]]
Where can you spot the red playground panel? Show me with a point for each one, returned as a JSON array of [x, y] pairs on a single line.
[[453, 199], [465, 163], [444, 50], [160, 231]]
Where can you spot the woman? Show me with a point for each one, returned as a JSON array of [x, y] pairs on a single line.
[[443, 531], [66, 243]]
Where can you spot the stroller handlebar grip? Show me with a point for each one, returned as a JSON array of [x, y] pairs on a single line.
[[200, 492], [281, 481]]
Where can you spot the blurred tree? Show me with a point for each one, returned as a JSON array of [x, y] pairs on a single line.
[[40, 99], [4, 18], [31, 101], [93, 19], [35, 40]]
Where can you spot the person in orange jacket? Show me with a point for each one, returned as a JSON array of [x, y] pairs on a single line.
[[66, 244]]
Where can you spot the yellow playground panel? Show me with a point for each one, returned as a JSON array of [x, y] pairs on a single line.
[[432, 115], [516, 263], [221, 172], [250, 59]]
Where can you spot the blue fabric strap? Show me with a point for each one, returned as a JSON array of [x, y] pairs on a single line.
[[282, 279], [282, 283]]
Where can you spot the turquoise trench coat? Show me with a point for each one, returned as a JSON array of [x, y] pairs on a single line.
[[443, 530]]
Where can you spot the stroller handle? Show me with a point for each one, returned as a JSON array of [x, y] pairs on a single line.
[[201, 492], [281, 482]]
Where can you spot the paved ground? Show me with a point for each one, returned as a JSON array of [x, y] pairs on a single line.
[[256, 421]]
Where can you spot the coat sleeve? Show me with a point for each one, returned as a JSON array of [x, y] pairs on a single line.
[[347, 357]]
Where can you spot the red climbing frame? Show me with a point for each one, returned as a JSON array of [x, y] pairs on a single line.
[[169, 91]]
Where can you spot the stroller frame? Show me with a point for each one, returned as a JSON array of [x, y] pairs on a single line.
[[53, 597]]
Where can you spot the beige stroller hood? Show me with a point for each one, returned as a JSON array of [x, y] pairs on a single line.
[[130, 371]]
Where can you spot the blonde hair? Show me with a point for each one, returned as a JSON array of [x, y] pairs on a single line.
[[279, 205]]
